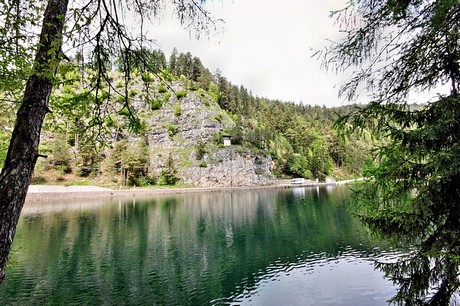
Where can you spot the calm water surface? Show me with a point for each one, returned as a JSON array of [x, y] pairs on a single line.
[[272, 247]]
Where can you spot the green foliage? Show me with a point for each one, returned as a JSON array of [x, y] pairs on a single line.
[[89, 159], [61, 156], [166, 97], [218, 117], [32, 34], [298, 166], [135, 124], [156, 104], [119, 84], [162, 88], [147, 77], [38, 180], [193, 86], [180, 94], [130, 161], [168, 174], [144, 181], [172, 129], [132, 92], [166, 75], [412, 195], [213, 91], [203, 164], [4, 143], [283, 130], [286, 131], [321, 163], [200, 149], [121, 100], [370, 168], [177, 110], [218, 140]]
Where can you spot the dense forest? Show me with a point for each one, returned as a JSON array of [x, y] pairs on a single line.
[[93, 121]]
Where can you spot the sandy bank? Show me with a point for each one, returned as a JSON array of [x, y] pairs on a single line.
[[45, 192]]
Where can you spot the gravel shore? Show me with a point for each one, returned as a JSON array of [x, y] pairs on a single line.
[[48, 192]]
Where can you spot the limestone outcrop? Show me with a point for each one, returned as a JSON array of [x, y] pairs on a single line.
[[230, 166], [181, 123]]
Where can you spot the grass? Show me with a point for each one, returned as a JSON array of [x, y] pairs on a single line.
[[180, 94]]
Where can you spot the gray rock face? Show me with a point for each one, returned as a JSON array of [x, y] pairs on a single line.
[[180, 124], [196, 121], [230, 167]]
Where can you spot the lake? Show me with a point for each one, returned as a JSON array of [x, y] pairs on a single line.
[[295, 246]]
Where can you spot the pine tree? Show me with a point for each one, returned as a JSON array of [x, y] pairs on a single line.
[[168, 174], [173, 62], [413, 194]]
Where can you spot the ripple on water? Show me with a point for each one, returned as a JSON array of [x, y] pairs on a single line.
[[346, 279]]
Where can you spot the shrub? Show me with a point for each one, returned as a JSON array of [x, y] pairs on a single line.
[[38, 180], [168, 174], [177, 110], [156, 104], [61, 156], [120, 99], [172, 130], [166, 75], [133, 93], [193, 87], [162, 89], [145, 181], [147, 77], [119, 84], [166, 97], [200, 150], [180, 94], [203, 164], [202, 92]]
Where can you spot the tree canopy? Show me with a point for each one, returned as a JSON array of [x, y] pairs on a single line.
[[401, 50], [36, 36]]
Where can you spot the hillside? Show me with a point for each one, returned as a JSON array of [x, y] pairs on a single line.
[[189, 128], [166, 128]]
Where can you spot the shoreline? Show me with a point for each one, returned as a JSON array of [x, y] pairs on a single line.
[[57, 192]]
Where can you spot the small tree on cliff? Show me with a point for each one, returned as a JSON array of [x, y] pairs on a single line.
[[96, 25], [168, 174]]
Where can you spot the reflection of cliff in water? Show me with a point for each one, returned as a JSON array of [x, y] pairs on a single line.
[[185, 249]]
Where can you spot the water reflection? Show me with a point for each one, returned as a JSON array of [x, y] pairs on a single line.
[[429, 274], [298, 245]]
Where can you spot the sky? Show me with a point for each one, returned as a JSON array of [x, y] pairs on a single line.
[[266, 46]]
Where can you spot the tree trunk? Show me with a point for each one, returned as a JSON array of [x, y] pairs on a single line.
[[23, 150]]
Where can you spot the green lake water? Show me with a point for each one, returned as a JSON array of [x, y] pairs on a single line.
[[271, 247]]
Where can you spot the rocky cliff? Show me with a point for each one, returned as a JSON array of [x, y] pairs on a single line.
[[230, 166], [187, 119]]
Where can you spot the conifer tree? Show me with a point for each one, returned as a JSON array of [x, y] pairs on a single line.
[[402, 48], [173, 62]]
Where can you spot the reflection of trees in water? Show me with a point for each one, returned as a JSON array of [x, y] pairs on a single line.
[[423, 279], [429, 274], [185, 249]]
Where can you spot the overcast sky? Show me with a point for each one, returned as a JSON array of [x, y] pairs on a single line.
[[265, 46]]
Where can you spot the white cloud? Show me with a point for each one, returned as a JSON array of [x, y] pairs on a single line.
[[266, 47]]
